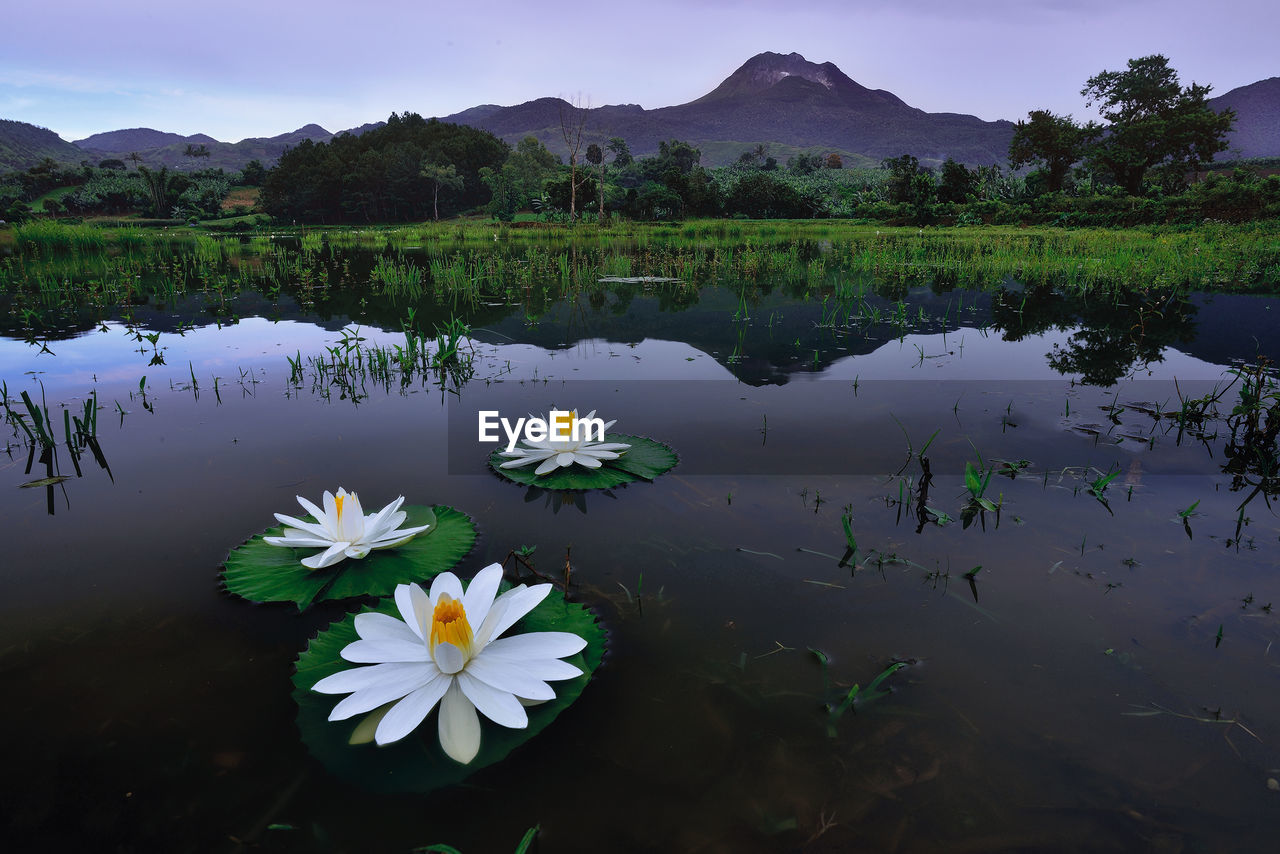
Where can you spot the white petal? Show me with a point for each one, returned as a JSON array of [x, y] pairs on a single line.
[[359, 678], [394, 538], [587, 461], [459, 725], [334, 554], [515, 464], [331, 506], [406, 600], [481, 592], [378, 651], [533, 645], [598, 454], [383, 692], [357, 551], [385, 520], [498, 706], [300, 525], [448, 658], [316, 512], [550, 464], [384, 627], [298, 542], [352, 503], [508, 677], [445, 582], [546, 670], [405, 715], [509, 608], [350, 522]]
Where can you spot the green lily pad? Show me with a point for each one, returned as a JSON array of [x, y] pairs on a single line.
[[261, 572], [644, 460], [417, 763]]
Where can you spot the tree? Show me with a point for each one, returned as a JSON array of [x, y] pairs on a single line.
[[1153, 120], [902, 171], [957, 182], [621, 153], [679, 155], [573, 120], [760, 195], [908, 182], [804, 164], [440, 175], [595, 156], [253, 174], [834, 161], [377, 175], [135, 157], [1055, 142], [196, 151], [157, 188]]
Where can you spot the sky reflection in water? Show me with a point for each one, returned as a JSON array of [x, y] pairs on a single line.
[[1058, 703]]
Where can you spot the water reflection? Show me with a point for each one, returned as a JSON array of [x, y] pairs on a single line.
[[1086, 688], [38, 435]]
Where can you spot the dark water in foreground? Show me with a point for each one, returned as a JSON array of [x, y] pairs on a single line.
[[1107, 682]]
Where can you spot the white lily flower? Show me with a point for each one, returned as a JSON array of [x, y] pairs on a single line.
[[555, 452], [342, 529], [447, 650]]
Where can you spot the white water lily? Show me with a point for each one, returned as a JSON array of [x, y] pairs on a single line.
[[342, 529], [555, 452], [447, 650]]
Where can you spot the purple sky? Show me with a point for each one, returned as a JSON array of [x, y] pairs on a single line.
[[235, 68]]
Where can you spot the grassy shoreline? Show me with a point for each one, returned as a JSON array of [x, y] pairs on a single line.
[[460, 255]]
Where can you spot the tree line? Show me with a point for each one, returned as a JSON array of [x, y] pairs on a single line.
[[1138, 165], [113, 188]]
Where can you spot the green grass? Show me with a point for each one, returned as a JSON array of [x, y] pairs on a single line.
[[251, 220], [57, 193], [835, 262]]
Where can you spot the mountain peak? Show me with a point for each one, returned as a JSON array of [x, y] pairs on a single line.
[[778, 74], [766, 69]]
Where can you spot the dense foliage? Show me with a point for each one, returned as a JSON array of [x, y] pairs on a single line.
[[113, 189], [378, 175]]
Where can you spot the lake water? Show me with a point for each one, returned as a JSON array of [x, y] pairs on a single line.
[[1105, 681]]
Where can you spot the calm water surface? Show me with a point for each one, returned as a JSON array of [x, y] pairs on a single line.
[[1107, 682]]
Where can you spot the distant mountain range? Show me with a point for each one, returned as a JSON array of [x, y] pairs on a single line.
[[157, 148], [772, 98], [782, 101]]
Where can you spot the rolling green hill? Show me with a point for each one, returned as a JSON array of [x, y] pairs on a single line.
[[23, 146]]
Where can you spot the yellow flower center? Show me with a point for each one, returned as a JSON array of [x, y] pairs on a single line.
[[564, 425], [338, 499], [449, 625]]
